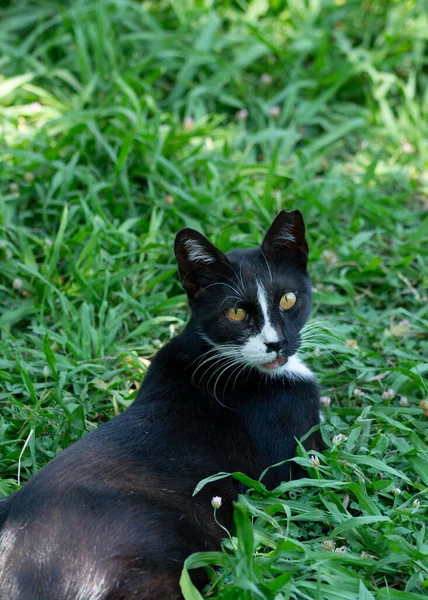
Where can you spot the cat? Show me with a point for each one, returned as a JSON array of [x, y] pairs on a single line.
[[112, 517]]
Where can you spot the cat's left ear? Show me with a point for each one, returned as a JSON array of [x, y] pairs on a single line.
[[287, 235], [198, 260]]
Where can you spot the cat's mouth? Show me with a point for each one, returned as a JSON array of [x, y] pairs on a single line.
[[275, 364]]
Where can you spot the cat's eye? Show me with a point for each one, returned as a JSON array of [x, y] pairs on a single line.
[[288, 300], [236, 314]]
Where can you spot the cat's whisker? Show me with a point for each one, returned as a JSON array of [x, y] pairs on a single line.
[[234, 370], [328, 355], [267, 264], [214, 366], [225, 352], [241, 289], [226, 345], [237, 298], [315, 324], [240, 276], [237, 375], [203, 360], [220, 283], [316, 335], [222, 368], [217, 356], [323, 329], [239, 368], [220, 375], [313, 344], [321, 351], [318, 332], [333, 361], [315, 338], [316, 329], [199, 358]]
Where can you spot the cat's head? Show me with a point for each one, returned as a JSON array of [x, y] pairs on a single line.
[[250, 305]]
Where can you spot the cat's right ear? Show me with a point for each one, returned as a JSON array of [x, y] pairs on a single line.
[[286, 237], [198, 260]]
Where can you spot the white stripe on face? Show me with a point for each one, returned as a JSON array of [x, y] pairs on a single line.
[[255, 350], [268, 333], [256, 353]]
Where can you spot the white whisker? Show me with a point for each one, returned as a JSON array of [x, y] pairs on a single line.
[[220, 283], [237, 375], [267, 264], [225, 365], [217, 380]]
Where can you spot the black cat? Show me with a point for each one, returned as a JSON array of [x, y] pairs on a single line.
[[112, 517]]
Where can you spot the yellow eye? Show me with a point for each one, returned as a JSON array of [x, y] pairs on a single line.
[[288, 301], [236, 314]]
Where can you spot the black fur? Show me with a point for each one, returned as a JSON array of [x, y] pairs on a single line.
[[114, 512]]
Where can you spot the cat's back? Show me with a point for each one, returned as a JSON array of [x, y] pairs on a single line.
[[101, 511]]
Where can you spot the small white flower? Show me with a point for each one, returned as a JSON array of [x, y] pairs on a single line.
[[353, 344], [358, 393], [266, 79], [35, 107], [396, 491], [188, 124], [399, 329], [424, 405], [17, 283], [407, 147], [404, 401], [388, 394], [315, 462], [325, 400], [274, 111], [339, 438], [328, 546], [46, 372], [14, 188], [242, 115], [48, 242], [216, 502], [416, 503], [329, 257]]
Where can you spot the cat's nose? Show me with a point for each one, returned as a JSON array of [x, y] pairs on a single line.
[[273, 346]]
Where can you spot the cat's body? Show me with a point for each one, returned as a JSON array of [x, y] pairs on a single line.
[[112, 517]]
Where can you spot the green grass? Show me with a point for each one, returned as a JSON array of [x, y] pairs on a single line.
[[99, 170]]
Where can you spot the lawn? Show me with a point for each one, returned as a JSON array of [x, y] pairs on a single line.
[[122, 122]]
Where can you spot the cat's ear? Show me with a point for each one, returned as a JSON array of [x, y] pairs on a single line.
[[197, 259], [285, 235]]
